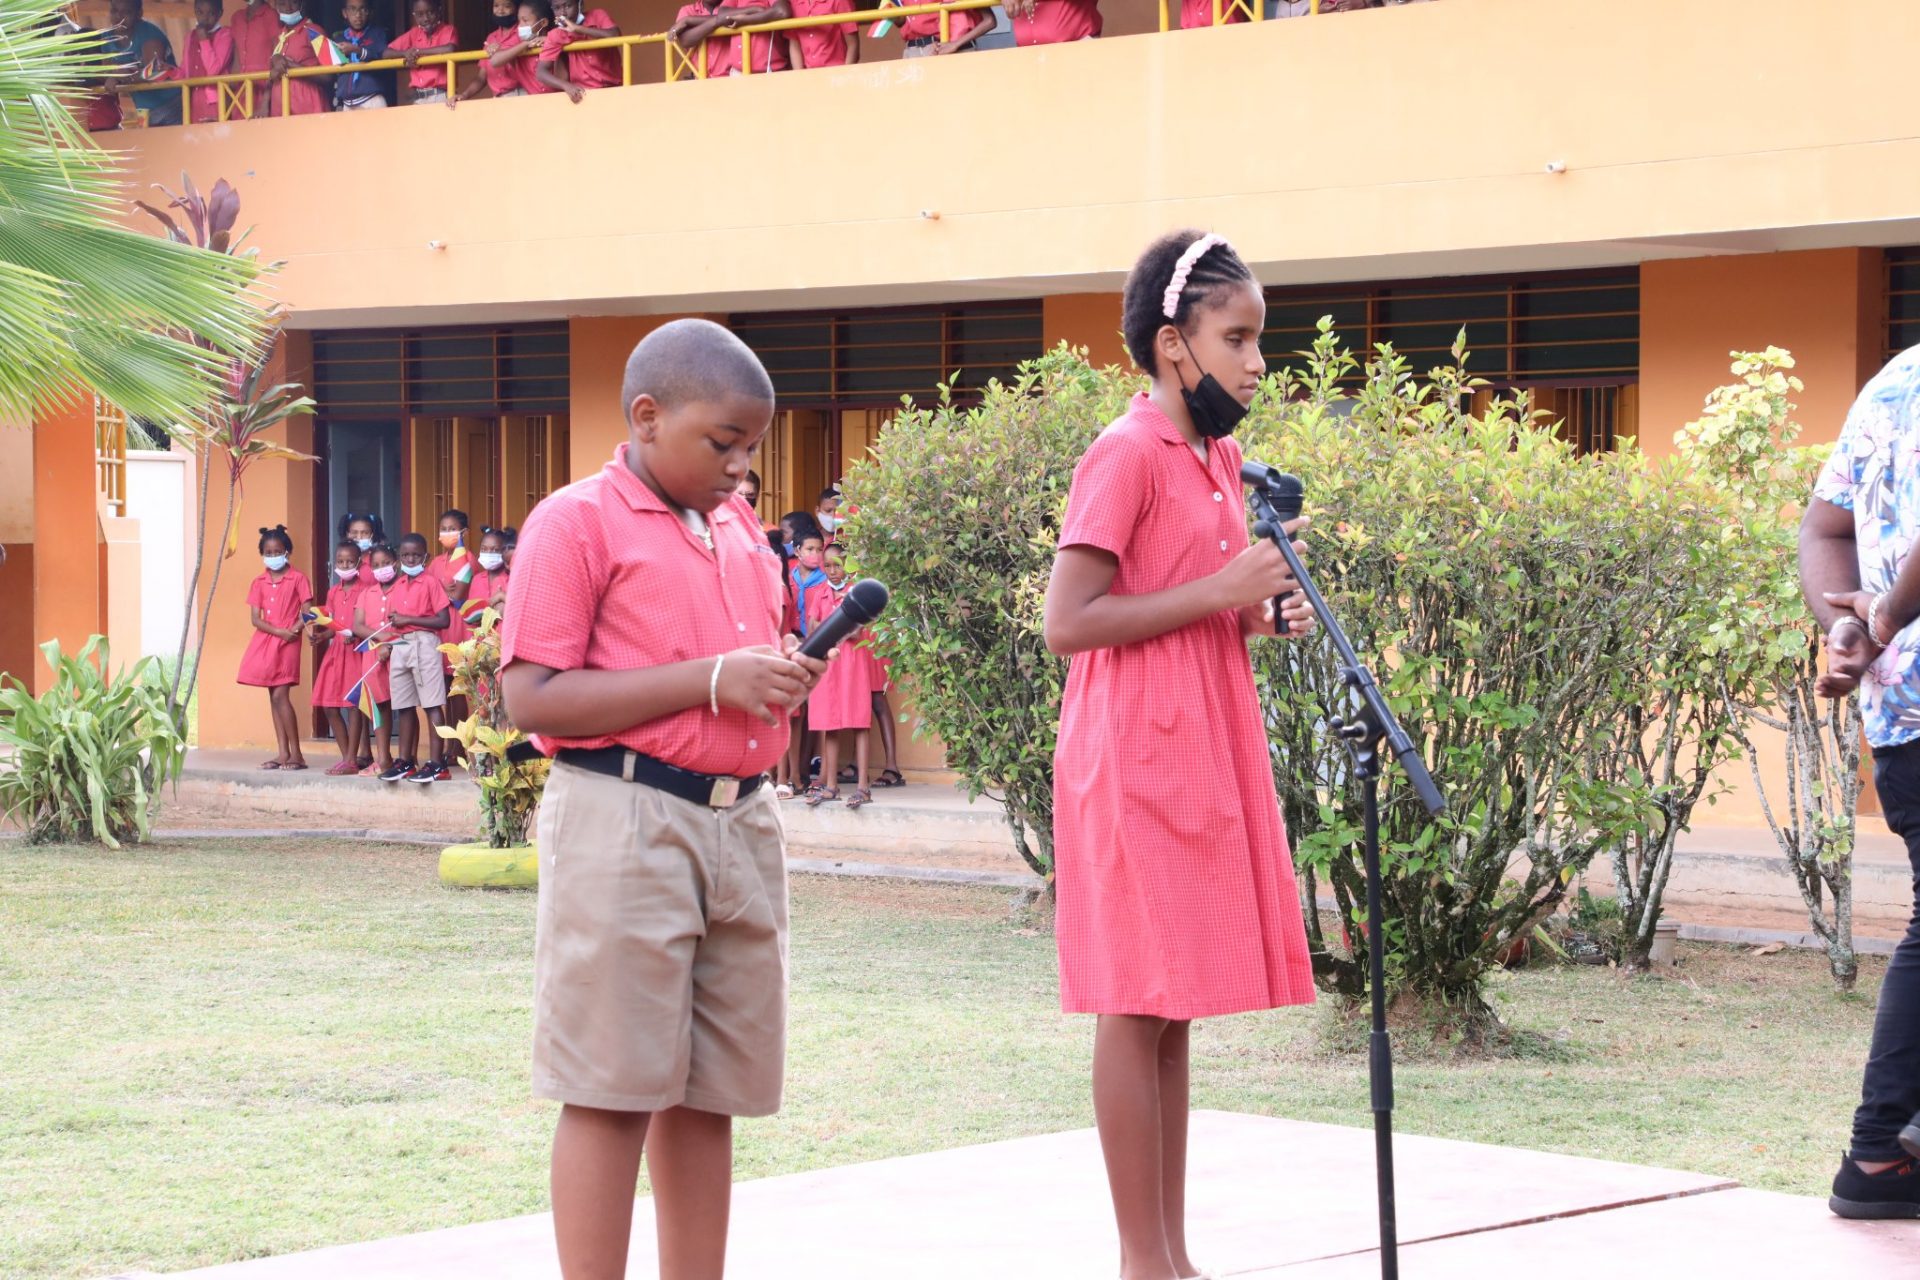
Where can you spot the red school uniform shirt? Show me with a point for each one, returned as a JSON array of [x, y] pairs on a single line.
[[824, 46], [1175, 900], [717, 51], [416, 598], [270, 661], [485, 586], [309, 95], [1058, 22], [516, 74], [594, 69], [442, 569], [920, 26], [424, 76], [207, 55], [597, 559]]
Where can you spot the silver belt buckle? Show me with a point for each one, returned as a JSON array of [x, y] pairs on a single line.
[[726, 792]]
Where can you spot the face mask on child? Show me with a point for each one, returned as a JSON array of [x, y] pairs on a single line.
[[383, 574], [830, 523], [449, 540], [275, 563], [365, 544], [502, 22], [491, 560], [526, 31], [413, 570], [346, 575], [291, 19], [810, 559]]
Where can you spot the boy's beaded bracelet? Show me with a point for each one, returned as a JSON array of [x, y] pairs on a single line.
[[713, 685]]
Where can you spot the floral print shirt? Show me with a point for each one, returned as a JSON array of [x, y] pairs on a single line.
[[1874, 472]]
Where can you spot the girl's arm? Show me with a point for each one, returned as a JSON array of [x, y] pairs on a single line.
[[1082, 614], [260, 623]]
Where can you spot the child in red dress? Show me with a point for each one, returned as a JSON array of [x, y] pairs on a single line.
[[453, 569], [844, 697], [275, 602], [488, 589], [339, 666], [1176, 899]]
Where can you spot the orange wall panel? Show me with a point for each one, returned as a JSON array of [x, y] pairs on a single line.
[[1822, 305], [18, 656], [67, 560], [1090, 320]]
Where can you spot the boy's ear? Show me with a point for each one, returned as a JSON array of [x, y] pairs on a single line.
[[643, 415]]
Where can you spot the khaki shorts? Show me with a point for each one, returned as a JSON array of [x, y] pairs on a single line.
[[416, 673], [660, 956]]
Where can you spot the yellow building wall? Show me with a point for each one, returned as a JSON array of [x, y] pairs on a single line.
[[1697, 128]]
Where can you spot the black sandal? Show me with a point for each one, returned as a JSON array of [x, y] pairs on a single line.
[[860, 797], [889, 778], [819, 795]]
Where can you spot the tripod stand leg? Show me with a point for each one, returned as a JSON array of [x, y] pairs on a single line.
[[1379, 1048]]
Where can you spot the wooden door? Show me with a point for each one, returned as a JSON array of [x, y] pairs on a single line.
[[455, 464], [534, 461]]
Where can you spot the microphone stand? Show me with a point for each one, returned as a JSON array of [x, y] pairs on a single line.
[[1362, 736]]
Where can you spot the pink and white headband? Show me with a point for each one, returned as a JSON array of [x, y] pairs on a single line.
[[1170, 301]]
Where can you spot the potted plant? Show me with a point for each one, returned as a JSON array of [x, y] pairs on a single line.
[[504, 857]]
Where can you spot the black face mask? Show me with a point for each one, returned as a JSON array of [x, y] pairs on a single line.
[[501, 24], [1214, 411]]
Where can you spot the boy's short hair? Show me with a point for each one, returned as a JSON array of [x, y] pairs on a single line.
[[693, 360], [831, 491], [417, 539]]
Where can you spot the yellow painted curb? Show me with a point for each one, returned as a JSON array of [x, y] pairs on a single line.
[[475, 866]]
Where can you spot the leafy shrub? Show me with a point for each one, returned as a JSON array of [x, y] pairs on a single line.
[[87, 758], [509, 791], [958, 513], [1514, 599], [1763, 639]]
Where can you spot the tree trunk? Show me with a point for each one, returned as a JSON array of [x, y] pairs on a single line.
[[233, 494], [176, 704]]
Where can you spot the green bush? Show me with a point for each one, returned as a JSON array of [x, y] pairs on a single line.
[[1516, 602], [957, 513], [87, 758]]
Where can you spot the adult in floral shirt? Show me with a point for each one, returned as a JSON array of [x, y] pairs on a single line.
[[1863, 584]]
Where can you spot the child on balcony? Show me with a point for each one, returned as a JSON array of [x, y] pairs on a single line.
[[210, 52], [299, 44], [256, 30], [339, 666], [922, 36], [430, 34], [360, 41], [275, 602], [591, 69], [511, 48], [827, 46]]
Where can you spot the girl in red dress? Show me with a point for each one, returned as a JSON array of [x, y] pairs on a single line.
[[1175, 886], [844, 697], [275, 602], [488, 590], [339, 666]]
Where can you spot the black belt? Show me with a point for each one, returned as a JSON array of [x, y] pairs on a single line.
[[716, 791], [921, 42]]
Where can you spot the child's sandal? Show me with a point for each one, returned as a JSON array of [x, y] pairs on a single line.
[[782, 791], [819, 795], [889, 778], [858, 798]]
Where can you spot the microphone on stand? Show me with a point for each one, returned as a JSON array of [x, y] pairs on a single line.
[[1285, 494], [866, 600]]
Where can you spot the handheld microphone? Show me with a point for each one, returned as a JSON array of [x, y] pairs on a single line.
[[866, 600], [1285, 496]]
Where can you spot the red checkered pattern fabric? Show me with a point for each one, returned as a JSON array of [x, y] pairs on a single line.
[[607, 577], [1175, 884]]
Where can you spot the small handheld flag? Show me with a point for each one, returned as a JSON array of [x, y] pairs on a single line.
[[367, 644], [362, 697]]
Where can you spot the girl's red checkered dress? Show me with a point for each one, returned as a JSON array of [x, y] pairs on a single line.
[[1175, 885]]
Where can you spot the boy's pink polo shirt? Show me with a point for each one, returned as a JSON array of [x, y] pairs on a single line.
[[608, 578], [420, 597], [1058, 22], [423, 76], [594, 69], [822, 46], [920, 26]]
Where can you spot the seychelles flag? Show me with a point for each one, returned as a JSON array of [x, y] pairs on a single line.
[[362, 697]]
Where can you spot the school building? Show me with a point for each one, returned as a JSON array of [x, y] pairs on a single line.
[[1610, 197]]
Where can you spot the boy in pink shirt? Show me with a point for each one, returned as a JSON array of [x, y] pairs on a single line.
[[1053, 21], [835, 46], [430, 34], [255, 29], [593, 69], [694, 26], [295, 47], [210, 52]]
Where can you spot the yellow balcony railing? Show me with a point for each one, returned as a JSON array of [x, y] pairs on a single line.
[[237, 90]]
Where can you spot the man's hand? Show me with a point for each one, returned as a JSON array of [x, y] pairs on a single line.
[[1850, 651]]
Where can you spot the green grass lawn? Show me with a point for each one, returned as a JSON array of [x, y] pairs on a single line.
[[230, 1050]]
